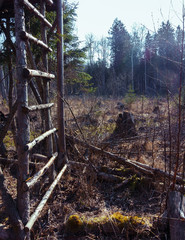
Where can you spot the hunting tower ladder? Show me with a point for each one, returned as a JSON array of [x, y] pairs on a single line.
[[40, 89]]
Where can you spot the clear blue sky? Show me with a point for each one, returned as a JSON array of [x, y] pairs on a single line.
[[97, 16]]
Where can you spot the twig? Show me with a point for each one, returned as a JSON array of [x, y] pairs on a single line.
[[136, 165], [64, 100]]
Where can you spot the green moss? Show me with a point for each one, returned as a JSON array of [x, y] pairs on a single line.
[[128, 222], [139, 183], [135, 220], [100, 220], [123, 171], [74, 224], [34, 135], [8, 140]]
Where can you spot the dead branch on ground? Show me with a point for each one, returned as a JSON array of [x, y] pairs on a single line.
[[143, 168]]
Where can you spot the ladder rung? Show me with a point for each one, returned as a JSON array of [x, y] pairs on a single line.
[[37, 107], [36, 73], [24, 35], [37, 140], [45, 198], [36, 12], [31, 182]]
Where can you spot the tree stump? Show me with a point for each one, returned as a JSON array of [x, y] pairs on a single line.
[[125, 125], [176, 215]]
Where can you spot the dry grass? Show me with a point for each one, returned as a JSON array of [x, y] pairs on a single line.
[[83, 194]]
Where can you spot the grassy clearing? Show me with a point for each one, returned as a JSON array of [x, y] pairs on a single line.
[[86, 206]]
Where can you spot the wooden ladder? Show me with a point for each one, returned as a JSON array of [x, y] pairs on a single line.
[[25, 76]]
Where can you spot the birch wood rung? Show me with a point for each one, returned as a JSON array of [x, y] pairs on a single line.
[[37, 107], [36, 12], [41, 205], [26, 36], [37, 140], [27, 73], [31, 182]]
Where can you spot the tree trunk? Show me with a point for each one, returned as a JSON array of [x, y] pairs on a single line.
[[2, 84], [47, 114], [176, 215], [60, 84], [23, 198]]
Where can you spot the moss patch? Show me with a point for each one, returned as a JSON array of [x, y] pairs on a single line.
[[74, 224], [8, 140], [137, 184], [108, 224]]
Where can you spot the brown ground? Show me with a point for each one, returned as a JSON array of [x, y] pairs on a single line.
[[81, 192]]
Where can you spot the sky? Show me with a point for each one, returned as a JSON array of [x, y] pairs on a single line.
[[97, 16]]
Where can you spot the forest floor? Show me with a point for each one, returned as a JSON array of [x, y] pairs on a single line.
[[126, 204]]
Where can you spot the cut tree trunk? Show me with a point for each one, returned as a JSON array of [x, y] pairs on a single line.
[[125, 126], [176, 215]]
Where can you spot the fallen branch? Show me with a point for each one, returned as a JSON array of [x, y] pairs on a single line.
[[157, 171], [108, 154], [143, 168], [101, 175], [108, 177]]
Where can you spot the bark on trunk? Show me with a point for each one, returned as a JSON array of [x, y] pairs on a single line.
[[60, 85], [23, 198], [176, 215], [49, 142]]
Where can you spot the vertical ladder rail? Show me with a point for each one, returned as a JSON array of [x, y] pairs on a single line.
[[23, 198], [24, 74], [46, 88], [60, 84]]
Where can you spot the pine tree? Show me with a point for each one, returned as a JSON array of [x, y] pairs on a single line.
[[120, 47], [165, 38]]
